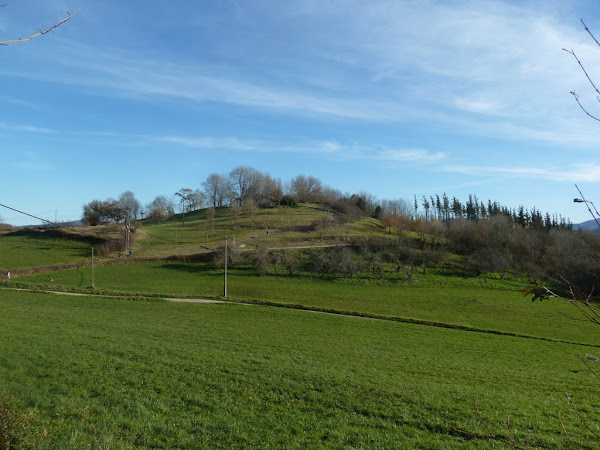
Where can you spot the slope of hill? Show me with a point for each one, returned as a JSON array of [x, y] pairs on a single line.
[[589, 225]]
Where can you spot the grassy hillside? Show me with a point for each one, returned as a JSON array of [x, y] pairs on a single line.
[[275, 227], [127, 374], [33, 248], [396, 362]]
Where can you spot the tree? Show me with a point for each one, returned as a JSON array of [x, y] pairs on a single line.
[[39, 33], [93, 213], [271, 190], [321, 224], [290, 260], [217, 188], [250, 209], [306, 189], [189, 200], [260, 259], [389, 221], [210, 218], [98, 212], [245, 182], [159, 208], [129, 203]]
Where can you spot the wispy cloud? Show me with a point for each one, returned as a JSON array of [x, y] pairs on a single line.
[[31, 161], [329, 149], [375, 61], [25, 128], [575, 173]]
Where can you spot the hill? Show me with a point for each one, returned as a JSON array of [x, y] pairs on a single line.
[[589, 225], [335, 333]]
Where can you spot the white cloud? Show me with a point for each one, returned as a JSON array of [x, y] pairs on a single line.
[[453, 64], [329, 149], [576, 173]]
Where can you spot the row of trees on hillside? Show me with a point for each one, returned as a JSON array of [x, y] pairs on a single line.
[[445, 209], [245, 186], [242, 186]]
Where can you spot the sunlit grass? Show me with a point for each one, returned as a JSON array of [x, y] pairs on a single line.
[[112, 373], [496, 305]]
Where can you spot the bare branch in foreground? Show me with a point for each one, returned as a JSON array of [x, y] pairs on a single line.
[[52, 28]]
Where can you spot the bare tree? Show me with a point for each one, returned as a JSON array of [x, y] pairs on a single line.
[[159, 208], [210, 218], [306, 189], [129, 203], [245, 182], [249, 207], [217, 188], [236, 210], [189, 200], [39, 33], [271, 190]]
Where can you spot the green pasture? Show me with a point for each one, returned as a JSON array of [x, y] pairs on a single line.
[[114, 373], [195, 231], [468, 304], [25, 250], [275, 227]]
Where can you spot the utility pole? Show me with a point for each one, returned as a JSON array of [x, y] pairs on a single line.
[[93, 286], [225, 280], [127, 232]]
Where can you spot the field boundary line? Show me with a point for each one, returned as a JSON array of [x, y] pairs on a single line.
[[298, 307]]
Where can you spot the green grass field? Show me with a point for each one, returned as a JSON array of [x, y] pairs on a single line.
[[468, 305], [19, 251], [294, 362], [113, 373]]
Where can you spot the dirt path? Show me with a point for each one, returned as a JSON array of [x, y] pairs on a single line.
[[84, 294], [194, 300]]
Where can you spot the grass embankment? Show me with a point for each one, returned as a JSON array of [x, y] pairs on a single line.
[[110, 373], [34, 248], [490, 306]]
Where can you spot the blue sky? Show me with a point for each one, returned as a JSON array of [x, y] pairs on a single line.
[[396, 98]]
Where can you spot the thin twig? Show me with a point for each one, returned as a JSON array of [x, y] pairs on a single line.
[[589, 32], [588, 366], [39, 33], [572, 52], [565, 431], [583, 422]]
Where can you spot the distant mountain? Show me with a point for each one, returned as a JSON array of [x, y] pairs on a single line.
[[72, 223], [589, 225]]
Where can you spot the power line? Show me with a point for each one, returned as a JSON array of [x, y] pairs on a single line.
[[30, 215], [54, 223]]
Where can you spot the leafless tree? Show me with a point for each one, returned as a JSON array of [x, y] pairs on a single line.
[[217, 188], [210, 218], [159, 208], [129, 203], [245, 182], [39, 33], [271, 191], [306, 188]]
